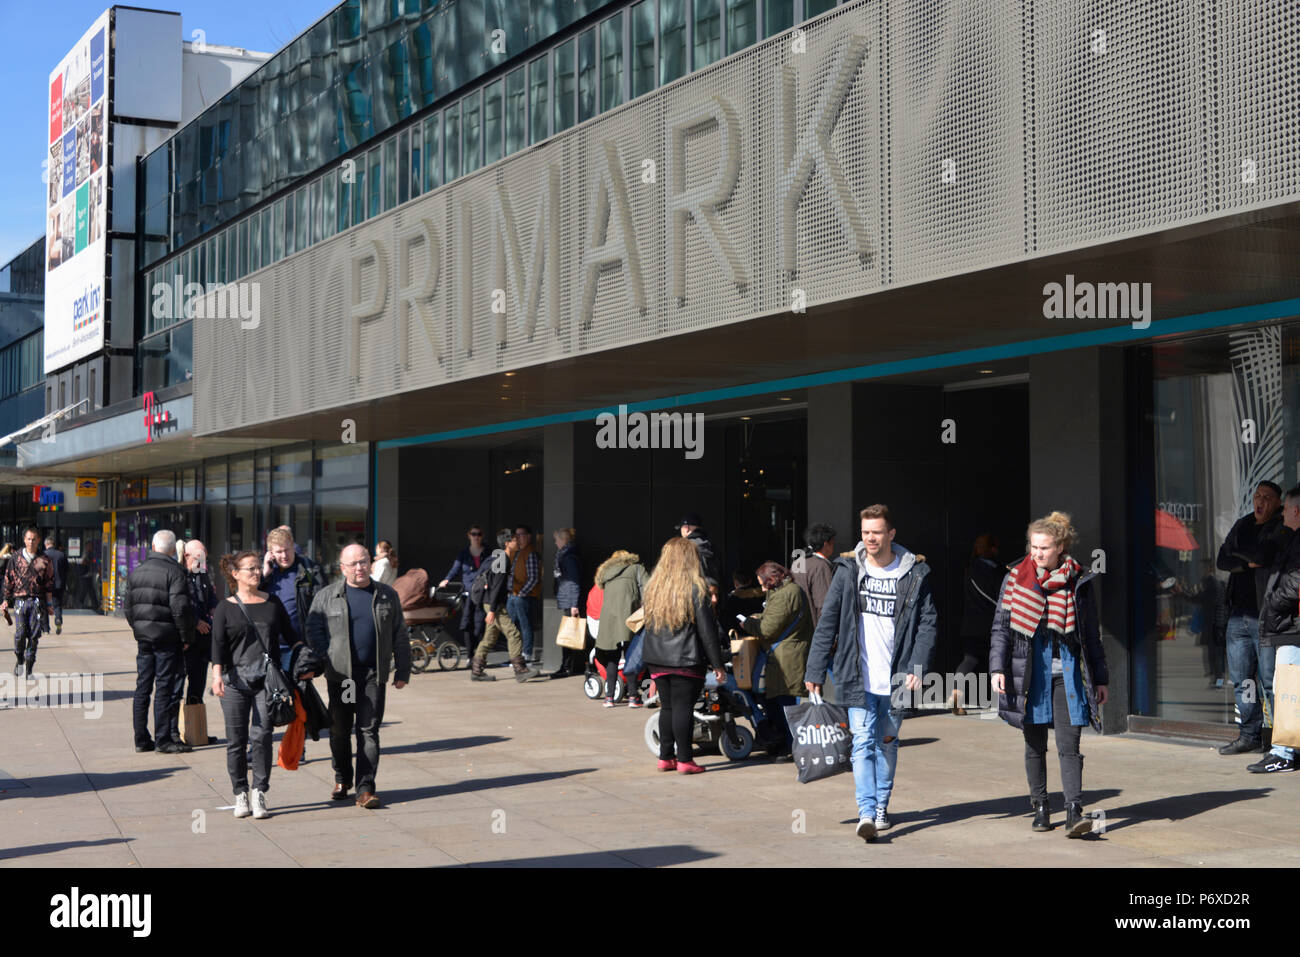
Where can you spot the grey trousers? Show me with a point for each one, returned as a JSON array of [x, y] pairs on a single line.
[[1067, 749], [238, 707]]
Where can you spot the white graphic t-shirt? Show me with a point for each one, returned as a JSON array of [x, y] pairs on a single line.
[[878, 588]]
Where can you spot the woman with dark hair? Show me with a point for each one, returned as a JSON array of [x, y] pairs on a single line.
[[384, 567], [473, 620], [244, 627], [784, 629], [979, 602], [1047, 639], [680, 636]]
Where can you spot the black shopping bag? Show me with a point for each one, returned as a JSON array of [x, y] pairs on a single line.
[[822, 740]]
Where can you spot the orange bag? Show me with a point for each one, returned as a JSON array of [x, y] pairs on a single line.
[[295, 736]]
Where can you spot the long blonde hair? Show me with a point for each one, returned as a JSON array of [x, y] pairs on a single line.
[[674, 586]]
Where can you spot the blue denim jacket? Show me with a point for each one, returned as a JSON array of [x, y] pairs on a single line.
[[1039, 703]]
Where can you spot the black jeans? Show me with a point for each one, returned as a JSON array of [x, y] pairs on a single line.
[[677, 697], [1067, 749], [609, 659], [238, 706], [359, 706], [472, 624], [156, 668]]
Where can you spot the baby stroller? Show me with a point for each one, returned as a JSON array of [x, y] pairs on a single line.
[[715, 724], [431, 620]]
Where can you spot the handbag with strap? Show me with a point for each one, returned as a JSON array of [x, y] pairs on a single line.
[[277, 688]]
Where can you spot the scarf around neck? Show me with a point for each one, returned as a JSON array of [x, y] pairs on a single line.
[[1027, 595]]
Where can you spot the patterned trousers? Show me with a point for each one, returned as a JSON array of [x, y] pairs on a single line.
[[27, 628]]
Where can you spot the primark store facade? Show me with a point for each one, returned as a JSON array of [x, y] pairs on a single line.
[[600, 264]]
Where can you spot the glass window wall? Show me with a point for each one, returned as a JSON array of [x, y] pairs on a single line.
[[643, 47], [611, 62], [708, 32], [563, 62]]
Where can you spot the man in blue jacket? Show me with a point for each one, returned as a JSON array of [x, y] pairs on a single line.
[[877, 631]]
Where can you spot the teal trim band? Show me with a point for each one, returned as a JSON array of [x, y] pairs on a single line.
[[1262, 312]]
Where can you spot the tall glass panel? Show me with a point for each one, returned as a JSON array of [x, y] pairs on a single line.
[[539, 126], [255, 242], [390, 173], [469, 108], [643, 47], [374, 182], [708, 32], [432, 159], [241, 267], [742, 24], [516, 111], [587, 75], [277, 220], [291, 471], [813, 7], [493, 121], [564, 63], [672, 40], [330, 200], [778, 15], [611, 62], [417, 160], [404, 165], [344, 192], [302, 219], [359, 189], [289, 234], [317, 216], [451, 143]]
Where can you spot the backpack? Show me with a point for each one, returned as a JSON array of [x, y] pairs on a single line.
[[478, 588]]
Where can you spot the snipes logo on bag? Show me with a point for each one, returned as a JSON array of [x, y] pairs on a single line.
[[821, 733], [75, 910]]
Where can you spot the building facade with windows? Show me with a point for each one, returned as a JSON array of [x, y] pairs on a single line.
[[976, 262]]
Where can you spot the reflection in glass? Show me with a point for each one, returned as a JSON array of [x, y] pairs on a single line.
[[404, 166], [390, 173], [539, 126], [778, 15], [564, 62], [469, 108], [417, 160], [451, 143], [432, 139], [813, 7], [330, 207], [358, 189], [375, 182], [708, 32], [493, 121], [516, 111], [643, 47], [587, 75], [302, 219], [672, 40], [611, 62], [166, 358]]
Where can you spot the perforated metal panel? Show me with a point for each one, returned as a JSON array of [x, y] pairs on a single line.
[[884, 143]]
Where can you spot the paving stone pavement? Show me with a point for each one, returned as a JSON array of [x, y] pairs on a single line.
[[536, 774]]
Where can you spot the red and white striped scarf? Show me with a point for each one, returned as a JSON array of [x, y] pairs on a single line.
[[1029, 592]]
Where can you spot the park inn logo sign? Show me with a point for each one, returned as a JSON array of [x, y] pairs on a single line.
[[567, 246]]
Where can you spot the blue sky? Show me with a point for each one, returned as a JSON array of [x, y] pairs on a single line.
[[34, 37]]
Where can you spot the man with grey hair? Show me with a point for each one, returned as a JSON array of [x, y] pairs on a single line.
[[160, 613]]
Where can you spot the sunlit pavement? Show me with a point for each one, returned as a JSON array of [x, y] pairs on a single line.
[[536, 774]]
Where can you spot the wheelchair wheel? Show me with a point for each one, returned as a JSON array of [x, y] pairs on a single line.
[[652, 734], [419, 656], [593, 687], [739, 748], [448, 656]]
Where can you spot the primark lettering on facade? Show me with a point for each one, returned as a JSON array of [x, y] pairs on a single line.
[[546, 252]]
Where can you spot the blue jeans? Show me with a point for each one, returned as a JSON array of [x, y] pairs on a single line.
[[1243, 659], [520, 608], [1286, 655], [875, 753]]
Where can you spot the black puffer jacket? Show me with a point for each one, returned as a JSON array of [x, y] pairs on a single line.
[[157, 602], [690, 646], [1279, 615]]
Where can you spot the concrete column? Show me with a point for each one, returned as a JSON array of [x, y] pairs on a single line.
[[559, 510], [830, 461], [1078, 464]]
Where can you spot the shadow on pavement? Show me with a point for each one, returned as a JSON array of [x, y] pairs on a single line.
[[909, 742], [1177, 807], [448, 744], [476, 784], [9, 853], [54, 785], [1005, 808], [664, 856]]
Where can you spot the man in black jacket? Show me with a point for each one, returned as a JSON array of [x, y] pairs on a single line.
[[1247, 553], [203, 598], [1279, 625], [159, 611], [497, 578], [58, 562], [691, 527]]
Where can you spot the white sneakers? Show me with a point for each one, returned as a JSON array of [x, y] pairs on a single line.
[[867, 828], [256, 806]]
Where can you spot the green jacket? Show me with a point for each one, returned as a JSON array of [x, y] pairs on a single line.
[[622, 577], [329, 632], [785, 665]]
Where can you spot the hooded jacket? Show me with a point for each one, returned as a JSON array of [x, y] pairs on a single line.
[[622, 577], [837, 640]]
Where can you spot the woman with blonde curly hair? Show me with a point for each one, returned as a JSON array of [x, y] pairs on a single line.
[[681, 635], [1046, 636]]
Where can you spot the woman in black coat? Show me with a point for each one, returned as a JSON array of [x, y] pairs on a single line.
[[1047, 640]]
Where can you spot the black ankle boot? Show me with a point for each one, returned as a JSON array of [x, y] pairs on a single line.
[[1076, 825], [1042, 816]]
